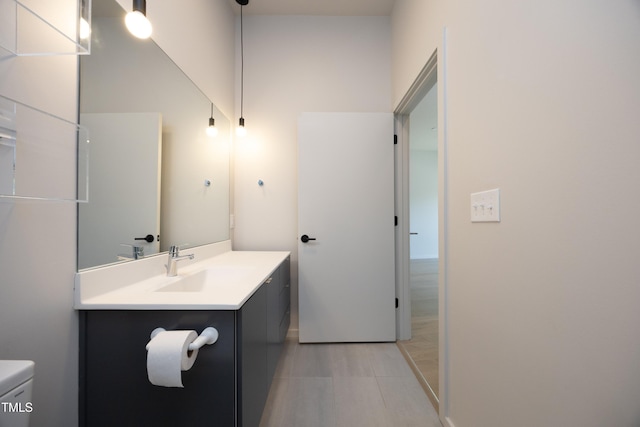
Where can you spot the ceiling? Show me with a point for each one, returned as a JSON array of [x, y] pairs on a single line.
[[287, 7], [317, 7]]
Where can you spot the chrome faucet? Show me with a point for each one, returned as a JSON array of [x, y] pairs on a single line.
[[174, 257]]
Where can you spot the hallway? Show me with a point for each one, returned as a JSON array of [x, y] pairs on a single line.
[[346, 385]]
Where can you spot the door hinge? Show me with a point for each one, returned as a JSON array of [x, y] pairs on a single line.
[[396, 302], [395, 220], [395, 139]]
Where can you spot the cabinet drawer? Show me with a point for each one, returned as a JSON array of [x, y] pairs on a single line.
[[284, 275], [283, 303]]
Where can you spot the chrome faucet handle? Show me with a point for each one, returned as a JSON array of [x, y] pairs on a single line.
[[174, 250]]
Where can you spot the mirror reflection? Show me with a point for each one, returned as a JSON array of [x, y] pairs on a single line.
[[156, 178]]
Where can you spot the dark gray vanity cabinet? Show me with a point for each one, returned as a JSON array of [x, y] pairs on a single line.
[[114, 387], [278, 315], [226, 387], [262, 320], [252, 357]]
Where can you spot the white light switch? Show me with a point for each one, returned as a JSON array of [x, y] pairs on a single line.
[[485, 206]]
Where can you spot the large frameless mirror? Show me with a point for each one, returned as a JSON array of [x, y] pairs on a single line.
[[156, 178]]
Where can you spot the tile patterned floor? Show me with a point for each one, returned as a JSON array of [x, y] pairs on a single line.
[[346, 385]]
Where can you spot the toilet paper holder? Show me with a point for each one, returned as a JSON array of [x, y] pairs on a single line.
[[207, 337]]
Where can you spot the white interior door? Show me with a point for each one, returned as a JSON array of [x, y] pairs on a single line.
[[345, 203], [124, 186]]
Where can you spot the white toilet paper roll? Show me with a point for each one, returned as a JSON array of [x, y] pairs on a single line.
[[168, 355]]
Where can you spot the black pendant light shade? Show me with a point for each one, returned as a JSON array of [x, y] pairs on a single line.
[[212, 130], [140, 6], [137, 21]]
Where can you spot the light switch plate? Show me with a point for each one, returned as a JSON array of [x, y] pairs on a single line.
[[485, 206]]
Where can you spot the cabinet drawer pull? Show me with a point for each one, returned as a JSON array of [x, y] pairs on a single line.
[[268, 280]]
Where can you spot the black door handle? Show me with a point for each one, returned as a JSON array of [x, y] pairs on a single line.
[[306, 238], [148, 238]]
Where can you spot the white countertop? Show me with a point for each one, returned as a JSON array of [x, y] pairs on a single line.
[[233, 276]]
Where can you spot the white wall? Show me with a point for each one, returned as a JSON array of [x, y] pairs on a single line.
[[542, 102], [297, 64], [37, 252]]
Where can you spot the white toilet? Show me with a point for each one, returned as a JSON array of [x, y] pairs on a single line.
[[16, 382]]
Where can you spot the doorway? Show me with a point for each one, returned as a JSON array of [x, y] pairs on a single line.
[[423, 240], [422, 346], [421, 235]]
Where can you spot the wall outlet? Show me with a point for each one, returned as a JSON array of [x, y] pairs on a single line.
[[485, 206]]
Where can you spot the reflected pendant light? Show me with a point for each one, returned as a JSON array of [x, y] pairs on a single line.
[[136, 20], [241, 130], [212, 130], [84, 29]]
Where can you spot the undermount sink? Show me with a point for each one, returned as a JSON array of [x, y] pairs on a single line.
[[206, 280]]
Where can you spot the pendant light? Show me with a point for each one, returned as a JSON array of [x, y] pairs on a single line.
[[212, 130], [241, 130], [84, 29], [136, 20]]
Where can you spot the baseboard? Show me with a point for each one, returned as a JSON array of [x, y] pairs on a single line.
[[446, 422]]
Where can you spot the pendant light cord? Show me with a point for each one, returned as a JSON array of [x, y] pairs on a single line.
[[241, 64]]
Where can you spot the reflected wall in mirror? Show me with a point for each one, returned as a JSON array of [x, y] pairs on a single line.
[[153, 171]]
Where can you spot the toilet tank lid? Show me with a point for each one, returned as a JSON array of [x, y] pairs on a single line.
[[13, 373]]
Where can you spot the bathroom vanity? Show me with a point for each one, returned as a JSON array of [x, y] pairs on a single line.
[[244, 295]]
